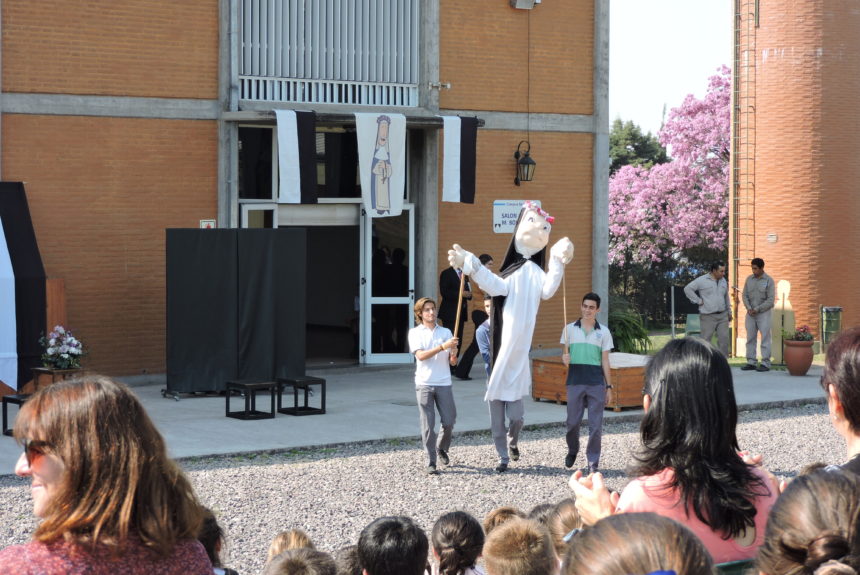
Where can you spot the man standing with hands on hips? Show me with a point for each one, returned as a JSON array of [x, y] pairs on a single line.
[[758, 296], [711, 293]]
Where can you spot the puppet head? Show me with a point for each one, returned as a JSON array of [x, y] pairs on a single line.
[[532, 232]]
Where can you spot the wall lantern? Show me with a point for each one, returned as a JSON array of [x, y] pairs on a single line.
[[525, 164]]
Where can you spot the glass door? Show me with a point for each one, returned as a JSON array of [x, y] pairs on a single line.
[[387, 287]]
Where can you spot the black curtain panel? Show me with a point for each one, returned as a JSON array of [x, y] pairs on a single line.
[[202, 316], [290, 272], [30, 300], [235, 306], [256, 304]]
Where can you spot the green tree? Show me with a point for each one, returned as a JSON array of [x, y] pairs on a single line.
[[629, 147]]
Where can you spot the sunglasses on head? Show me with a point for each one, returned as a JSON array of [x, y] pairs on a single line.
[[34, 450]]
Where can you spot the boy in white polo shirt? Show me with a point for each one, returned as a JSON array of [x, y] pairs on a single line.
[[435, 348], [587, 347]]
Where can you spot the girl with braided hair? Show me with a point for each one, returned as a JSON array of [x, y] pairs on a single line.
[[457, 541]]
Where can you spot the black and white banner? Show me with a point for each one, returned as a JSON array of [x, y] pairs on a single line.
[[458, 168], [297, 162], [22, 288], [382, 162], [8, 337]]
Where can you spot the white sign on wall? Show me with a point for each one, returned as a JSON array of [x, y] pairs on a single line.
[[505, 213], [207, 224]]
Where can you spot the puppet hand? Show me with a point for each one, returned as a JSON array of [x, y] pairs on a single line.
[[457, 256], [562, 250]]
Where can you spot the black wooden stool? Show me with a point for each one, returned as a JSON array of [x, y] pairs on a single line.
[[303, 382], [249, 388], [18, 399]]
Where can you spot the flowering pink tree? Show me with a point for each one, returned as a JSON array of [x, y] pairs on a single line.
[[655, 214]]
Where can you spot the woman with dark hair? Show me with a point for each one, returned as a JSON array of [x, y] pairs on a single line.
[[813, 528], [636, 543], [110, 499], [689, 468], [841, 383]]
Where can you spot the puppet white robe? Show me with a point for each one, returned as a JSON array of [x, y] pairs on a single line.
[[511, 377]]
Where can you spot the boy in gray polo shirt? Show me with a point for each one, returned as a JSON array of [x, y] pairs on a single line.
[[586, 349]]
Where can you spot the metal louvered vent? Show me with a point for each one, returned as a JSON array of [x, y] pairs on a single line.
[[358, 52]]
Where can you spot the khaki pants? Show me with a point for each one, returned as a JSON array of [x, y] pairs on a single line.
[[719, 322]]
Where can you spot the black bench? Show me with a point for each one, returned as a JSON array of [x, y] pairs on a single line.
[[18, 399], [249, 388], [304, 383]]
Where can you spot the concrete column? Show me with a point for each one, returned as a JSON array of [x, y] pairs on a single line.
[[600, 215], [228, 132]]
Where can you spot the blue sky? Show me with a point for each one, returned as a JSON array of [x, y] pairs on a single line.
[[662, 50]]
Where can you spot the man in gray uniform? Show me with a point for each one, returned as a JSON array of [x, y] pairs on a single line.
[[711, 293], [758, 296]]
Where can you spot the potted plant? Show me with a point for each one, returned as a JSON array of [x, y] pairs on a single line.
[[61, 349], [798, 350]]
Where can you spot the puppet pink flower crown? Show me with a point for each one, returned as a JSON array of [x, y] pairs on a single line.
[[529, 205]]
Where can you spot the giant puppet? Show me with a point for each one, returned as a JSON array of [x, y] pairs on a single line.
[[517, 293]]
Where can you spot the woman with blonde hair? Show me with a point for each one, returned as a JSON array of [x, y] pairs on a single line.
[[814, 528], [636, 544], [109, 498]]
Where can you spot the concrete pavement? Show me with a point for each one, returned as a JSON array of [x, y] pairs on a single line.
[[378, 402]]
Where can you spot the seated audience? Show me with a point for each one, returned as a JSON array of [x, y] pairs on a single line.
[[211, 536], [498, 516], [301, 561], [841, 383], [689, 468], [346, 560], [563, 523], [110, 499], [457, 540], [519, 547], [637, 544], [290, 539], [393, 546], [814, 528]]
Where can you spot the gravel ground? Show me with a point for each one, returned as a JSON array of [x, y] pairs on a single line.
[[332, 493]]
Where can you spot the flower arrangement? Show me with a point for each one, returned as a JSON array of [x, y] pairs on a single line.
[[803, 333], [61, 349]]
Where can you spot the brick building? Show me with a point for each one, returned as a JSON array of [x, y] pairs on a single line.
[[796, 171], [129, 119]]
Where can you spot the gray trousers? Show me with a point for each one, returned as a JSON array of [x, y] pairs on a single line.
[[578, 398], [430, 398], [718, 322], [759, 323], [502, 436]]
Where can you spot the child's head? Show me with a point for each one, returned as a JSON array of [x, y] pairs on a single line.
[[561, 523], [457, 540], [302, 561], [628, 543], [814, 526], [346, 560], [541, 513], [498, 516], [291, 539], [211, 536], [519, 547]]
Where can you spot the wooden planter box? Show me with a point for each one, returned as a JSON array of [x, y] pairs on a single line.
[[627, 371]]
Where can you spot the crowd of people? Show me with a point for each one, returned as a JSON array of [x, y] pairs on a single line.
[[111, 501]]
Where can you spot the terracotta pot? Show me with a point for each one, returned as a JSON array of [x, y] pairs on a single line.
[[798, 356]]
